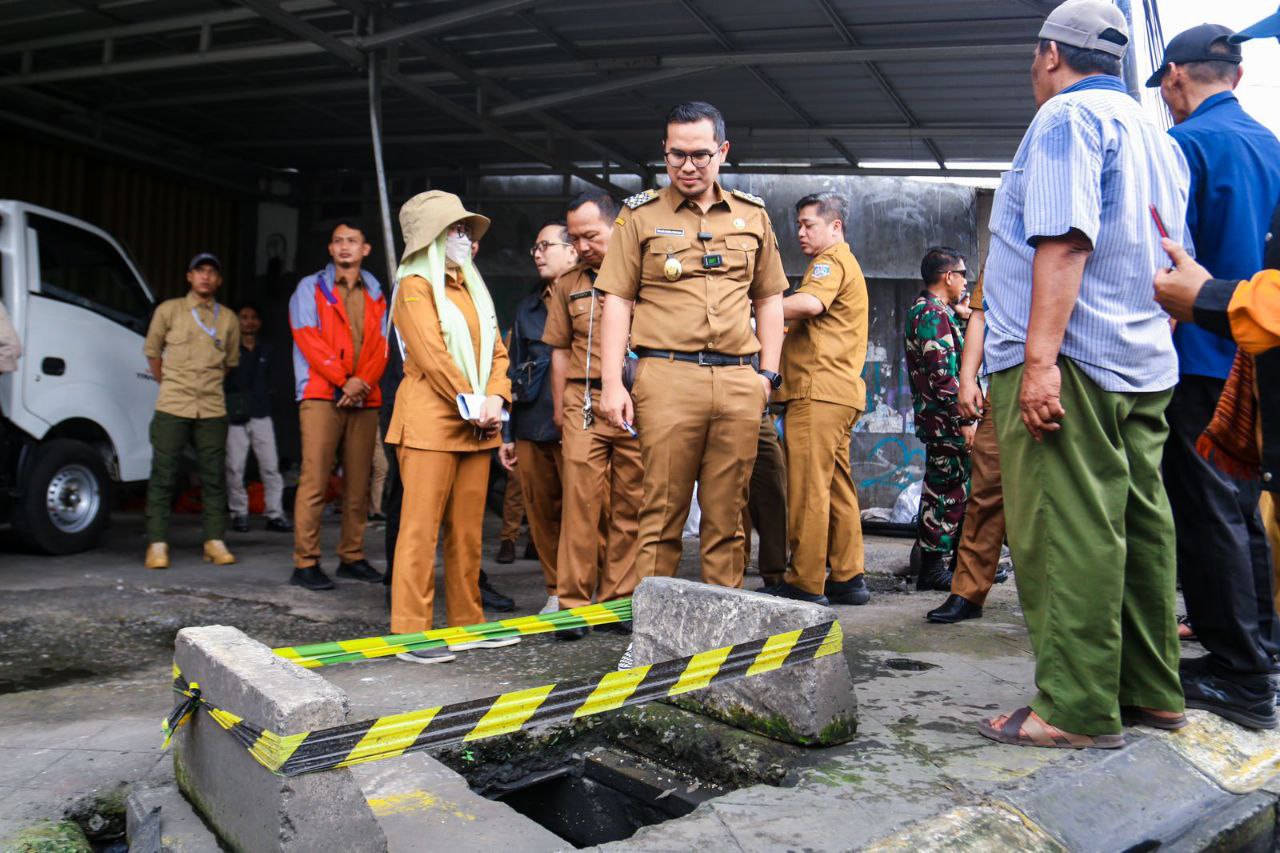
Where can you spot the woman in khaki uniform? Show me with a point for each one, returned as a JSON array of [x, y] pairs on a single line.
[[452, 351]]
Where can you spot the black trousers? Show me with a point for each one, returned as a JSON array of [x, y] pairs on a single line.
[[1223, 561]]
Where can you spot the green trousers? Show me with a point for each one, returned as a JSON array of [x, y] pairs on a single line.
[[1092, 536], [170, 436]]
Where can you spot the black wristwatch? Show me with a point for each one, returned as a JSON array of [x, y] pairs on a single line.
[[775, 379]]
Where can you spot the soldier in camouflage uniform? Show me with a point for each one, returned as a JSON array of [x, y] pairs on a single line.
[[933, 342]]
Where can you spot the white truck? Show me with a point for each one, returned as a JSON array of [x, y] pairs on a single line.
[[74, 418]]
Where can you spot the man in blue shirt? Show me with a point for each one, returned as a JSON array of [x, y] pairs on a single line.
[[1222, 549]]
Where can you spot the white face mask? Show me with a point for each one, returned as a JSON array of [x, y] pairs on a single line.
[[457, 248]]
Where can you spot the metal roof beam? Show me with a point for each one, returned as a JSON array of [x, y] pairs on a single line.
[[290, 23], [607, 87], [439, 23]]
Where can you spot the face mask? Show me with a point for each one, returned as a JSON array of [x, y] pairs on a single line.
[[457, 248]]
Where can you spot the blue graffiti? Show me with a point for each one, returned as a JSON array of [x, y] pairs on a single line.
[[899, 475]]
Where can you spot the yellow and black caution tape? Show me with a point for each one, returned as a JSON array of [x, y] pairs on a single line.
[[430, 728], [342, 651]]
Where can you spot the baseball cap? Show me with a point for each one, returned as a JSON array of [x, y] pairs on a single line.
[[1268, 26], [1088, 24], [205, 258], [1194, 46]]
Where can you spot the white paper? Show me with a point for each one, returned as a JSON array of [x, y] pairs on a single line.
[[469, 406]]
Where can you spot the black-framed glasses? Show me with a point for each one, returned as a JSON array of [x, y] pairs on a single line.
[[957, 272], [676, 158], [543, 245], [459, 229]]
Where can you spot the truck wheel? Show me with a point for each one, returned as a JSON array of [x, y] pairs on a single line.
[[66, 505]]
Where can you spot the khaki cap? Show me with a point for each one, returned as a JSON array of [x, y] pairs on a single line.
[[425, 216], [1082, 23]]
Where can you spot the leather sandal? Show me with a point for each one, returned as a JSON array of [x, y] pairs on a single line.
[[1132, 715], [1023, 728]]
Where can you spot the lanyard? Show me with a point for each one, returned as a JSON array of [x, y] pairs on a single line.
[[211, 331]]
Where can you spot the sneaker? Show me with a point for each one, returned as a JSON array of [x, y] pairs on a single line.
[[359, 570], [491, 643], [573, 633], [552, 605], [280, 524], [1253, 708], [240, 523], [626, 662], [436, 655], [853, 591], [506, 552], [615, 628], [786, 590], [491, 599], [311, 578]]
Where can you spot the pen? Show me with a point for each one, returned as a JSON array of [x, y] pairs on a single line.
[[629, 428]]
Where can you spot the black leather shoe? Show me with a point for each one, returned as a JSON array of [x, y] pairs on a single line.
[[955, 609], [240, 523], [1253, 708], [506, 552], [573, 633], [360, 570], [615, 628], [530, 552], [933, 574], [280, 525], [786, 590], [492, 599], [1003, 573], [853, 591], [311, 578]]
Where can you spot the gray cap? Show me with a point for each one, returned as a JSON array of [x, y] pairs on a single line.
[[1089, 24], [205, 258]]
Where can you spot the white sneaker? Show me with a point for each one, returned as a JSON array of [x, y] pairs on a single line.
[[433, 655], [625, 661], [552, 605], [494, 643]]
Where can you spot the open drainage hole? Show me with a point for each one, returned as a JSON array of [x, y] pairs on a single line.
[[909, 665], [603, 795]]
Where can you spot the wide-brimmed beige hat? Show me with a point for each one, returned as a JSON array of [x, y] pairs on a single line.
[[426, 215]]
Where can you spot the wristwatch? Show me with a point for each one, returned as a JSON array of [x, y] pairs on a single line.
[[775, 379]]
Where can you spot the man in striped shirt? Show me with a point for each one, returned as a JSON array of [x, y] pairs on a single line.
[[1082, 365]]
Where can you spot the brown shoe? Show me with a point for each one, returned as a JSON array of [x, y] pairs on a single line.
[[506, 551], [157, 556], [215, 551]]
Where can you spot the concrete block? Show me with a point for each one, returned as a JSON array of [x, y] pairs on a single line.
[[250, 808], [813, 704], [1247, 823], [176, 828]]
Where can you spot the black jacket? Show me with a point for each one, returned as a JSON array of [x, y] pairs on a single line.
[[250, 382], [530, 374]]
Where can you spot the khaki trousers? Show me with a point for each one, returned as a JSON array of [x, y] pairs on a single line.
[[325, 427], [512, 507], [695, 424], [978, 556], [378, 480], [539, 462], [824, 524], [442, 490], [589, 484]]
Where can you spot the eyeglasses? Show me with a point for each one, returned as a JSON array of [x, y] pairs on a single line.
[[957, 272], [543, 245], [459, 229], [675, 158]]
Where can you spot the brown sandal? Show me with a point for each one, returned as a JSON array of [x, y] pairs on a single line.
[[1022, 729], [1132, 715]]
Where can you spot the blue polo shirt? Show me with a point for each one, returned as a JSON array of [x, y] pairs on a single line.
[[1235, 186]]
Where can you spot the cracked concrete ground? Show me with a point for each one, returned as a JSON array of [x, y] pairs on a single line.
[[86, 640]]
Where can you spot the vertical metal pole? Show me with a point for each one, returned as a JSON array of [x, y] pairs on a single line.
[[384, 203], [1130, 56]]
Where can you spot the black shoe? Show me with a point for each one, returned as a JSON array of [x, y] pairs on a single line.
[[933, 574], [615, 628], [786, 590], [573, 633], [1253, 708], [492, 599], [376, 517], [279, 525], [530, 552], [311, 578], [240, 523], [360, 570], [506, 552], [853, 591], [955, 609], [1003, 573]]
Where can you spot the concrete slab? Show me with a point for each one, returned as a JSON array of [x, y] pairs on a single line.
[[813, 704], [987, 828], [180, 829], [1246, 823], [1237, 758], [249, 807]]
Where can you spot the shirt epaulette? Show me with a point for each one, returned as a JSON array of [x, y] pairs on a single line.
[[640, 198], [746, 196]]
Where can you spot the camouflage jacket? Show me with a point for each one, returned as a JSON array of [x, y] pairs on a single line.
[[934, 341]]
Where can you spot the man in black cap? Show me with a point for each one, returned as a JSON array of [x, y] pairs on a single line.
[[1222, 548]]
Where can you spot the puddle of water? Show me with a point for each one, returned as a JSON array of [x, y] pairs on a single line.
[[909, 665], [44, 677]]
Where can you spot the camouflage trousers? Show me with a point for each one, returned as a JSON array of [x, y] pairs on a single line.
[[944, 494]]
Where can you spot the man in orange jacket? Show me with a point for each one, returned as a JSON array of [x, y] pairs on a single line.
[[338, 317]]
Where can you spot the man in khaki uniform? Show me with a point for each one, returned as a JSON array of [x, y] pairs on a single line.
[[590, 445], [693, 260], [822, 386], [191, 344]]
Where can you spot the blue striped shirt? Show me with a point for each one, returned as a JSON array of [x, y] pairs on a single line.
[[1091, 160]]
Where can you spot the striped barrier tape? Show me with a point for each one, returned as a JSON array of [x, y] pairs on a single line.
[[325, 654], [431, 728]]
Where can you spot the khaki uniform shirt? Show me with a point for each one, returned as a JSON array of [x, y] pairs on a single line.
[[352, 297], [426, 410], [823, 356], [707, 307], [570, 320], [193, 362]]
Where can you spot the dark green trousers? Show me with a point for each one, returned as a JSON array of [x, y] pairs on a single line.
[[170, 436], [1092, 536]]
